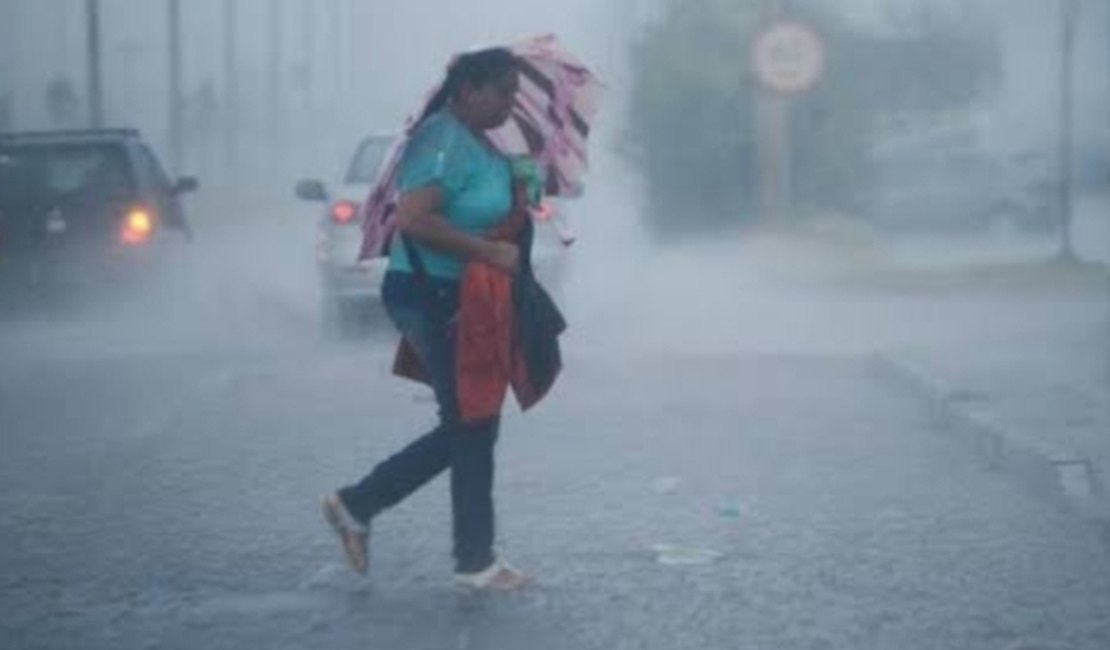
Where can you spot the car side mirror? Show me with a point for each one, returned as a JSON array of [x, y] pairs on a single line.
[[185, 184], [311, 190]]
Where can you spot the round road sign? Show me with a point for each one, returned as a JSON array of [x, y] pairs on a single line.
[[788, 57]]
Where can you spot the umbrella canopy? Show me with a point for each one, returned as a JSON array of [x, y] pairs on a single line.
[[553, 109]]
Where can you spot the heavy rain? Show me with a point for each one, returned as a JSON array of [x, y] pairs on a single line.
[[836, 369]]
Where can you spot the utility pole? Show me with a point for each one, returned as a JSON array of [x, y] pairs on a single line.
[[307, 81], [175, 96], [338, 60], [308, 38], [1069, 11], [95, 81], [9, 55], [274, 104], [231, 87], [349, 48]]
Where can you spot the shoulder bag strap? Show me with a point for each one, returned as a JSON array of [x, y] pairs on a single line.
[[415, 261]]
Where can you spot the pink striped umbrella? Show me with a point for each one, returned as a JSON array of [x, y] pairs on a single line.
[[552, 112]]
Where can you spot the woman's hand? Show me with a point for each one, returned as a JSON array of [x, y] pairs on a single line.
[[503, 256], [419, 216]]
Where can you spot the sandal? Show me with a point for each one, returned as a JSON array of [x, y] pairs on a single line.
[[500, 576], [353, 536]]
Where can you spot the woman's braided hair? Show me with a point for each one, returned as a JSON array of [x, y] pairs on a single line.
[[474, 68]]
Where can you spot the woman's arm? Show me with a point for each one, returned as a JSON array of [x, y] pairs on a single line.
[[420, 216]]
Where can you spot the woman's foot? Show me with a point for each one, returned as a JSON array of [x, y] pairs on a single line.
[[498, 577], [353, 536]]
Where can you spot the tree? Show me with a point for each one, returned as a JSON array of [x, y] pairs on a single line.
[[691, 126]]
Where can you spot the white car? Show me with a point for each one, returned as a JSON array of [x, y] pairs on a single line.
[[348, 286]]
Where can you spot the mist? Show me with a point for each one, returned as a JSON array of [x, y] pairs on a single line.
[[308, 80], [775, 298]]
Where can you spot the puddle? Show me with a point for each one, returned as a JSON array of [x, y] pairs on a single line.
[[257, 605], [671, 555]]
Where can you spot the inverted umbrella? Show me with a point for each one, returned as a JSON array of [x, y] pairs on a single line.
[[553, 109]]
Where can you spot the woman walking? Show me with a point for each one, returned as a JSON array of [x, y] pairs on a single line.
[[455, 190]]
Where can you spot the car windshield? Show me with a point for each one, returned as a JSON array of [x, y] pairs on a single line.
[[38, 173], [368, 159]]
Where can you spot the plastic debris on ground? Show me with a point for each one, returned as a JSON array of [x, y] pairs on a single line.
[[671, 555]]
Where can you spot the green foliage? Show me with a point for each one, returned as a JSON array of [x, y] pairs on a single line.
[[691, 127], [690, 123]]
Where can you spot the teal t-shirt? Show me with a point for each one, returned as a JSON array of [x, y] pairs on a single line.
[[476, 183]]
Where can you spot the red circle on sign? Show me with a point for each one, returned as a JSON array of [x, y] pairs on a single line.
[[788, 57]]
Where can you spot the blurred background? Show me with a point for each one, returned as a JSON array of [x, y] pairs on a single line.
[[914, 95]]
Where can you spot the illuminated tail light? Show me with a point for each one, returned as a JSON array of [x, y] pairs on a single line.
[[344, 211], [138, 226]]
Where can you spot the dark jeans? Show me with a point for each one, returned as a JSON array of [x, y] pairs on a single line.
[[425, 316]]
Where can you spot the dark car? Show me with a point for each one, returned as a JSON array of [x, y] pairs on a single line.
[[347, 284], [78, 207]]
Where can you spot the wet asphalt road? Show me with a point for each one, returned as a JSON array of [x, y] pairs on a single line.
[[170, 502], [159, 486]]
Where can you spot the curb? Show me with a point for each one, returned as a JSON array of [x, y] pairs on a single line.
[[1059, 475]]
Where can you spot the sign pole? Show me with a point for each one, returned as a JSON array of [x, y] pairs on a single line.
[[788, 59], [773, 146]]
